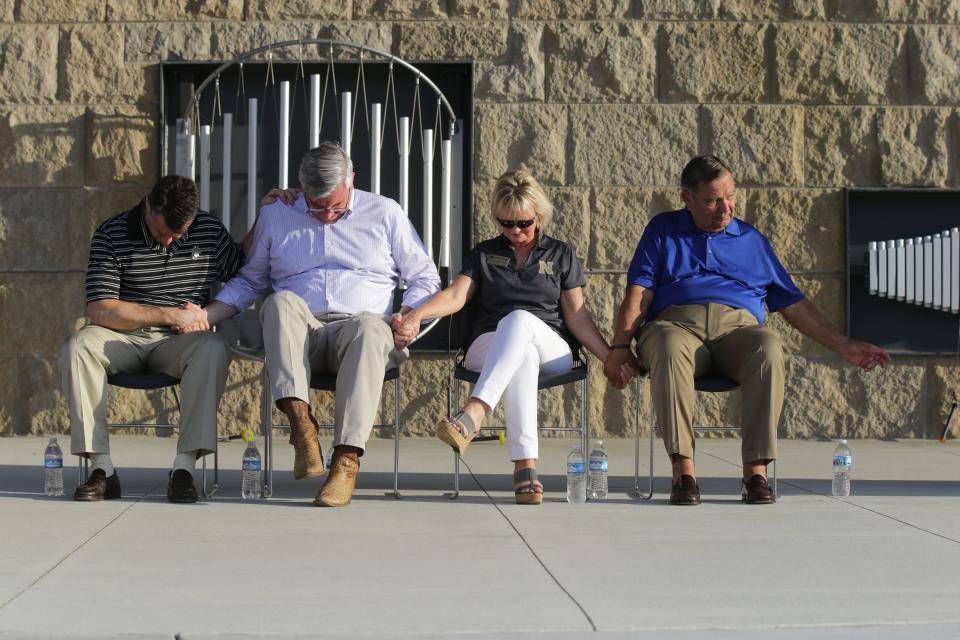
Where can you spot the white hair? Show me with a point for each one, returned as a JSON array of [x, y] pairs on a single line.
[[323, 169]]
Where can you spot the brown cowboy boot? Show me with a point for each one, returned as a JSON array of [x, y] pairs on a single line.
[[308, 457], [337, 491]]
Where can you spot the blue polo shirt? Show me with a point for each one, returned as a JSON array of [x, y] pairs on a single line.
[[684, 265]]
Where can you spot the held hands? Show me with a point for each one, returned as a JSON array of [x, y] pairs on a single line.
[[190, 318], [864, 355], [286, 196], [620, 367], [406, 327]]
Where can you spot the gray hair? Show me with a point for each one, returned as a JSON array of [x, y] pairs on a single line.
[[323, 169]]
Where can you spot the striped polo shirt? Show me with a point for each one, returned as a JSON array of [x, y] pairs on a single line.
[[127, 263]]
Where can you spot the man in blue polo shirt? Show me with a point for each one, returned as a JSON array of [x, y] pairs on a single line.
[[698, 290]]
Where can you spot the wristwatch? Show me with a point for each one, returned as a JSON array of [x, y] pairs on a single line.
[[620, 345]]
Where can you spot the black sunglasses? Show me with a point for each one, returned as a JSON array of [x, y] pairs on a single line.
[[510, 224]]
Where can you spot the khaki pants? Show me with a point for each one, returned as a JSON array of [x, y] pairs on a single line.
[[199, 360], [358, 349], [685, 342]]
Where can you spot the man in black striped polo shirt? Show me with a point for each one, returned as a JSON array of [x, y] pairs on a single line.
[[149, 274]]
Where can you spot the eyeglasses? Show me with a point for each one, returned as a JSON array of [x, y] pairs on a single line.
[[333, 210], [510, 224]]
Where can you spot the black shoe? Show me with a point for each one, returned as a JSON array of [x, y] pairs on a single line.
[[98, 487], [685, 491], [180, 488], [757, 491]]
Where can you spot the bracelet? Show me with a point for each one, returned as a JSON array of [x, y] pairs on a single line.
[[620, 345]]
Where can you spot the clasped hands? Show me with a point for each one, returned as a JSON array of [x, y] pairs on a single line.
[[189, 318], [620, 367], [406, 328]]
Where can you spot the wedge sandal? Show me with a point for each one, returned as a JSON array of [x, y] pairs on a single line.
[[531, 493], [448, 430]]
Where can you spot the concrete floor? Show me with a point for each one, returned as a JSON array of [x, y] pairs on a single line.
[[884, 563]]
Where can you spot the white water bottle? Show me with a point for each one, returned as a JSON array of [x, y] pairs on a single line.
[[250, 487], [599, 462], [53, 469], [842, 461], [576, 476]]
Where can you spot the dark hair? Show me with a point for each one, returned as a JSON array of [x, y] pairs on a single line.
[[176, 198], [702, 169]]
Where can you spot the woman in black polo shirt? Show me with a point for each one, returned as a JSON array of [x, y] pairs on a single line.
[[530, 318]]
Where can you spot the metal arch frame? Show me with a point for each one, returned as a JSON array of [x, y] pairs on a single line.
[[193, 105]]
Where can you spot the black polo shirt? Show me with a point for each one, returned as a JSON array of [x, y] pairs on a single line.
[[127, 263], [535, 286]]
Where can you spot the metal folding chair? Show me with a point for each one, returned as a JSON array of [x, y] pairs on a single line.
[[708, 383], [147, 381]]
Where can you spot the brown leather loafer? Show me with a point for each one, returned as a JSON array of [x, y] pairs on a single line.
[[757, 491], [180, 487], [685, 491], [337, 491], [307, 456], [98, 487]]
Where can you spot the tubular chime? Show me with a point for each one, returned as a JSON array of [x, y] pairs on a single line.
[[439, 136], [923, 270]]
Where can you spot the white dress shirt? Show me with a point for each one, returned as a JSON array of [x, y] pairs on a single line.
[[348, 266]]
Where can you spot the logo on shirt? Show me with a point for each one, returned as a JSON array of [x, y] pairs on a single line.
[[196, 254], [546, 267], [498, 261]]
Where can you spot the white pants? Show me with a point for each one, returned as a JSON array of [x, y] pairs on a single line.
[[510, 360]]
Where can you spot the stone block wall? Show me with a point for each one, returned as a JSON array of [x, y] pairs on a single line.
[[604, 99]]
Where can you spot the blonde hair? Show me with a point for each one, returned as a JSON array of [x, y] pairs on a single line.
[[518, 191]]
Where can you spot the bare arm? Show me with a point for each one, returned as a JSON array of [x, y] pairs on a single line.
[[406, 324], [632, 311], [806, 318], [128, 316], [581, 324]]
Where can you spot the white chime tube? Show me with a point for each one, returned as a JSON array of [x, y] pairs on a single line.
[[918, 270], [283, 163], [901, 269], [945, 270], [910, 277], [927, 271], [345, 129], [205, 167], [375, 147], [227, 157], [891, 268], [404, 164], [186, 151], [428, 191], [251, 162], [446, 159], [937, 271], [882, 269], [955, 270], [314, 110], [872, 267]]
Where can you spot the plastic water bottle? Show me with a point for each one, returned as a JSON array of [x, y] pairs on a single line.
[[598, 472], [842, 460], [576, 476], [53, 469], [251, 486]]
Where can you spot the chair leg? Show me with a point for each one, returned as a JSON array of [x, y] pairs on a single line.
[[584, 425], [454, 401], [396, 439], [266, 426]]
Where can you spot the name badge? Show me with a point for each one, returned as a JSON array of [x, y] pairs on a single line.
[[498, 261], [546, 267]]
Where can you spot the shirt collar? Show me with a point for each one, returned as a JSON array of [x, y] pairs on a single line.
[[541, 241], [687, 224]]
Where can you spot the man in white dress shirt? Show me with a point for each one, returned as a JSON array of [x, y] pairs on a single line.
[[332, 258]]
